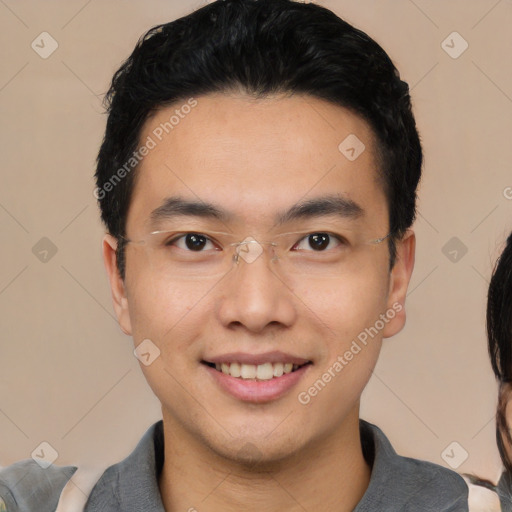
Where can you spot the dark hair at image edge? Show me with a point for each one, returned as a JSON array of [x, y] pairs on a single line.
[[499, 335], [261, 47]]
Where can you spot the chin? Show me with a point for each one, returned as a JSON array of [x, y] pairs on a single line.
[[262, 458], [256, 451]]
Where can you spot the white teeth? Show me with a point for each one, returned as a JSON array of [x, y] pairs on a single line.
[[248, 371], [265, 371], [278, 369], [235, 370]]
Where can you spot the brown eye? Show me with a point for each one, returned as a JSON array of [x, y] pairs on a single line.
[[194, 242], [318, 242]]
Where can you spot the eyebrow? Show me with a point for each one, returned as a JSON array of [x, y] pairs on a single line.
[[332, 205]]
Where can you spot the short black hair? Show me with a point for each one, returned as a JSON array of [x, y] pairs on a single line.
[[499, 336], [499, 314], [262, 47]]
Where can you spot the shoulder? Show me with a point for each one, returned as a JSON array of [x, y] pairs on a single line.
[[407, 484], [133, 482], [105, 494], [26, 486], [441, 488]]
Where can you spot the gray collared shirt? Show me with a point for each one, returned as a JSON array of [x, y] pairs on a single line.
[[397, 483], [504, 490]]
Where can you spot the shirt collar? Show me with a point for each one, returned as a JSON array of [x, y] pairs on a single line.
[[406, 484], [141, 472], [504, 490], [133, 483]]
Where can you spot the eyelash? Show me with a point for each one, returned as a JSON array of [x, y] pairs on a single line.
[[341, 240]]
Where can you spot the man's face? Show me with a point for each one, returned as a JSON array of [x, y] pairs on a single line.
[[255, 160]]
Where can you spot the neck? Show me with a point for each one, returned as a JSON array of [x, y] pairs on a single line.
[[330, 474]]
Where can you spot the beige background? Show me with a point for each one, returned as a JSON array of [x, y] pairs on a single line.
[[68, 374]]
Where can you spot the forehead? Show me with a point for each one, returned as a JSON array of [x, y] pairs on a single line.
[[256, 157]]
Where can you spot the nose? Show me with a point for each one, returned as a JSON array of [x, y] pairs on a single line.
[[254, 294]]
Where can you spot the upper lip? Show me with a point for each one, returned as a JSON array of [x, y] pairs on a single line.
[[257, 359]]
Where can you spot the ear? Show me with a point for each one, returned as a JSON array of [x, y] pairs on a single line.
[[117, 286], [399, 282]]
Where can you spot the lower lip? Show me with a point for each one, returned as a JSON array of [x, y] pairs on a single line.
[[257, 391]]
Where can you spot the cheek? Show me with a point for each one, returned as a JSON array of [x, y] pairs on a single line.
[[172, 316], [164, 311], [347, 316], [348, 305]]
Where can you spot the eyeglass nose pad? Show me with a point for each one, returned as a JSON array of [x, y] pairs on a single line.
[[250, 250], [236, 255], [275, 256], [239, 248]]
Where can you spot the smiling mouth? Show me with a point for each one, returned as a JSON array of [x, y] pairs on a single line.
[[265, 371]]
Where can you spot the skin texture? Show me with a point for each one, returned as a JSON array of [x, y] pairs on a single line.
[[255, 158]]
